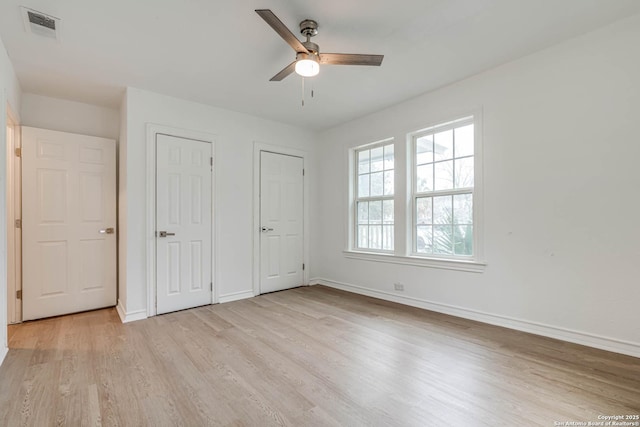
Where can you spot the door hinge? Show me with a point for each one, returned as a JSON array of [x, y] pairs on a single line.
[[302, 267], [302, 172], [211, 286], [18, 152], [18, 223], [19, 294]]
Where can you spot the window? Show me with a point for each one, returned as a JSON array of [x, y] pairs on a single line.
[[374, 193], [443, 185], [432, 215]]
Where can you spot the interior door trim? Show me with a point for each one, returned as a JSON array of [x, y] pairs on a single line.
[[152, 131], [14, 212], [259, 147]]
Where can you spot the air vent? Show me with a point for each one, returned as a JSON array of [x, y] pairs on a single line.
[[40, 23], [42, 20]]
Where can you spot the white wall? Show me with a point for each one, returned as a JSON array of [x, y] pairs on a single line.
[[69, 116], [9, 93], [235, 135], [561, 156]]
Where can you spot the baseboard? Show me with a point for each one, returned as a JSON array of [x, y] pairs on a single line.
[[235, 296], [576, 337], [3, 353], [130, 316]]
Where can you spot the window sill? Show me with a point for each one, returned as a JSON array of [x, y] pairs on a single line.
[[447, 264]]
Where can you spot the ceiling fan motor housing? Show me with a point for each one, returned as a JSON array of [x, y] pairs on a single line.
[[311, 47]]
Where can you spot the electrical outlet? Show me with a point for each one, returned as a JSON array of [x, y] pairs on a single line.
[[398, 286]]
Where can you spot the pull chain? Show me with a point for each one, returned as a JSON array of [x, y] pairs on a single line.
[[303, 92]]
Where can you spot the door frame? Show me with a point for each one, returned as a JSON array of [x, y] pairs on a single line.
[[152, 131], [259, 147], [14, 212]]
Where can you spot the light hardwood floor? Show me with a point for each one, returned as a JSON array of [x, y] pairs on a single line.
[[304, 357]]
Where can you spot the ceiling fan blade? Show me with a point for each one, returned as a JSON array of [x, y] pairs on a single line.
[[350, 59], [275, 23], [284, 73]]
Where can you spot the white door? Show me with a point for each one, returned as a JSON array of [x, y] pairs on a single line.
[[69, 219], [281, 216], [183, 223]]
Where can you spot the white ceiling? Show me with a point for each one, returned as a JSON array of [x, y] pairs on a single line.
[[222, 53]]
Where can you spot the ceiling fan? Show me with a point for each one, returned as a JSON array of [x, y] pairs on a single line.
[[308, 56]]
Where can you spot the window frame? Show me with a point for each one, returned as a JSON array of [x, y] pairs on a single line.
[[415, 194], [355, 199]]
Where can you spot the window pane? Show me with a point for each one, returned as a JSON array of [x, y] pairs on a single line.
[[424, 239], [375, 218], [376, 184], [363, 212], [464, 141], [443, 145], [444, 175], [424, 178], [363, 186], [387, 211], [444, 164], [464, 172], [442, 210], [375, 237], [442, 239], [424, 214], [387, 238], [375, 212], [424, 149], [388, 157], [463, 240], [388, 183], [376, 159], [363, 236], [363, 161], [463, 209]]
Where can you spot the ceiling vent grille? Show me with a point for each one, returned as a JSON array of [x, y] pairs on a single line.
[[40, 23]]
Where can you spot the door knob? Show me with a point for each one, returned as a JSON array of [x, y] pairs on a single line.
[[266, 229], [165, 234], [106, 230]]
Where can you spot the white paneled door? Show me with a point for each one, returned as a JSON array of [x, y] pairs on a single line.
[[281, 216], [183, 223], [69, 219]]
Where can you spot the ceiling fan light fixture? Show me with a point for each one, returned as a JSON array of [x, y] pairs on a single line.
[[307, 65]]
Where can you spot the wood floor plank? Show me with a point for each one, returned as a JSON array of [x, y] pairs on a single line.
[[304, 357]]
